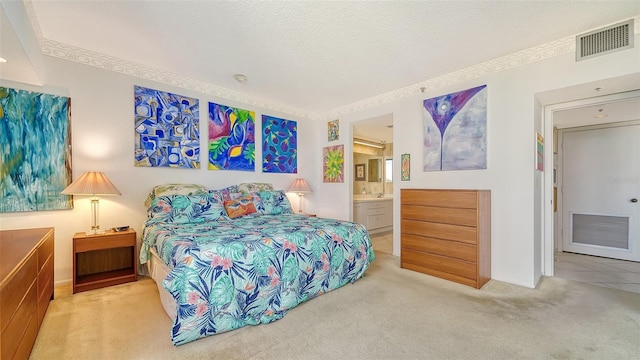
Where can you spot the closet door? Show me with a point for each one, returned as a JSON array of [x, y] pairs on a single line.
[[601, 191]]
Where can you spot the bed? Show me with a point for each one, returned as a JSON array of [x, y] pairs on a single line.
[[224, 259]]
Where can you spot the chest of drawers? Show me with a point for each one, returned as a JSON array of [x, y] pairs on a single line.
[[26, 287], [447, 233]]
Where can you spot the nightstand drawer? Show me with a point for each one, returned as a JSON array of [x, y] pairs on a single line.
[[97, 242]]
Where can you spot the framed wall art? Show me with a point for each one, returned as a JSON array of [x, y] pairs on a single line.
[[333, 164], [405, 169], [455, 131], [232, 142], [167, 128], [333, 130], [360, 172], [35, 134], [539, 152], [279, 145]]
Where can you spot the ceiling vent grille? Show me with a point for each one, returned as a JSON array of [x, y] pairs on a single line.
[[604, 41]]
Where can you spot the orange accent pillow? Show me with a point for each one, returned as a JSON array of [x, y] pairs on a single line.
[[240, 207]]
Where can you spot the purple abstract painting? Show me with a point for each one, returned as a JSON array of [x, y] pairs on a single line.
[[455, 131]]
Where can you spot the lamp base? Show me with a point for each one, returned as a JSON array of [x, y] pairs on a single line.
[[95, 232]]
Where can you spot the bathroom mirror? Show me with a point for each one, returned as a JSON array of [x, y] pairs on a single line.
[[374, 171]]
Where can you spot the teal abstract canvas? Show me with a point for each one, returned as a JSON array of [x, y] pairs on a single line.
[[35, 133]]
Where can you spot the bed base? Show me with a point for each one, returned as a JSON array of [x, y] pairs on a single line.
[[158, 271]]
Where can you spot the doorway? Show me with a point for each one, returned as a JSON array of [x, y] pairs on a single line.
[[552, 113], [373, 180], [600, 186]]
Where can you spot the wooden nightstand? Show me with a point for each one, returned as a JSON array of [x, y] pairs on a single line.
[[104, 259]]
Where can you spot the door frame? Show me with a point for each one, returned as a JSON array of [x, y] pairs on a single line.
[[548, 243]]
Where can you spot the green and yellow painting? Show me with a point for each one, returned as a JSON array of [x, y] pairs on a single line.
[[333, 164]]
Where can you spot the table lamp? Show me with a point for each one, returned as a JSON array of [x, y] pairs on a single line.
[[300, 187], [92, 183]]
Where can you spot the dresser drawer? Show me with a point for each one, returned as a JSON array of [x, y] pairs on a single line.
[[465, 217], [15, 290], [45, 276], [441, 247], [45, 250], [459, 199], [45, 288], [16, 330], [464, 234], [439, 263]]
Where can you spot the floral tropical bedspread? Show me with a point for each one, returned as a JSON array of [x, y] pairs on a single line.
[[229, 274]]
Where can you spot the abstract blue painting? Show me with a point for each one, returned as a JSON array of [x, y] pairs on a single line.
[[279, 145], [455, 131], [35, 151], [232, 142], [167, 129]]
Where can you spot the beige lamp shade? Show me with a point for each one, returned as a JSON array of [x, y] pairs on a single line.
[[299, 186], [92, 183]]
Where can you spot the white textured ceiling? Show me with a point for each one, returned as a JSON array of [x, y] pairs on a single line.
[[317, 55]]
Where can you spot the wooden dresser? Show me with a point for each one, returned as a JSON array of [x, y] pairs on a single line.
[[447, 233], [26, 287]]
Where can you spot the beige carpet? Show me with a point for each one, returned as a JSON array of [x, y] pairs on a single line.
[[389, 314]]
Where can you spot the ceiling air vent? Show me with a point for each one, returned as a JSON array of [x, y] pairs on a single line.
[[604, 41]]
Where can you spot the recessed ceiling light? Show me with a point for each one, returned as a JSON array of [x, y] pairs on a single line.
[[240, 78], [3, 60], [600, 114]]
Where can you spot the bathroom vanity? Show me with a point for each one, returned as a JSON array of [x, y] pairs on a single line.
[[376, 214]]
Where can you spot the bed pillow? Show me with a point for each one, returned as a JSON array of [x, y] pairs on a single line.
[[181, 209], [247, 188], [274, 203], [174, 189], [240, 207], [228, 193]]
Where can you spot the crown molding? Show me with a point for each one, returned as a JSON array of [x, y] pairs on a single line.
[[520, 58], [106, 62], [95, 59]]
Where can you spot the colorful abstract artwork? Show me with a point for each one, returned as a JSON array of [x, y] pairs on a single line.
[[167, 129], [405, 172], [279, 145], [455, 131], [333, 164], [232, 144], [539, 152], [35, 151], [333, 130]]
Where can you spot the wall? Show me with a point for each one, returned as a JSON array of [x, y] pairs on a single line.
[[103, 140], [102, 125], [513, 118]]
